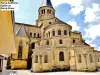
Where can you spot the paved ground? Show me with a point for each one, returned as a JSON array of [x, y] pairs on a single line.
[[27, 72]]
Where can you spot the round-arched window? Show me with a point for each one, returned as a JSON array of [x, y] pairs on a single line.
[[61, 56]]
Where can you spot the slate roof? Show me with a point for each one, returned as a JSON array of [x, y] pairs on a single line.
[[21, 31], [47, 3]]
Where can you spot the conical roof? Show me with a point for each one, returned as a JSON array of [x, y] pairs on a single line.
[[47, 3]]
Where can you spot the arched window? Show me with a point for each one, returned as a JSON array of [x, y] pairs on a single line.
[[20, 50], [36, 59], [60, 42], [30, 34], [48, 11], [53, 33], [65, 32], [34, 35], [38, 35], [33, 45], [39, 12], [61, 56], [45, 59], [47, 42], [53, 13], [79, 58], [59, 32], [73, 41], [49, 34], [91, 58], [44, 11]]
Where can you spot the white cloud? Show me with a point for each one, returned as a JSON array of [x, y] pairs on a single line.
[[56, 3], [93, 31], [88, 41], [74, 25], [91, 14], [76, 5], [91, 44], [92, 17], [76, 10], [98, 48], [70, 2], [79, 5]]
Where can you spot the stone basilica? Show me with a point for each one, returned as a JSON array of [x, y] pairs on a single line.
[[51, 45]]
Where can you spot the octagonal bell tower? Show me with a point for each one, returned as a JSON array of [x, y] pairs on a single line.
[[46, 11]]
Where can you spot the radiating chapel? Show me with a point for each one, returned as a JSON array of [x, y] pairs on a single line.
[[52, 45]]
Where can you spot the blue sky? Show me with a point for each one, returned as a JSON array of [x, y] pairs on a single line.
[[83, 15]]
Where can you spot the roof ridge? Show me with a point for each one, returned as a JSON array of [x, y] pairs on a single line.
[[17, 31]]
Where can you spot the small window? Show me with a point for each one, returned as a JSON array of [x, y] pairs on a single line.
[[73, 41], [65, 32], [36, 59], [45, 59], [38, 35], [53, 33], [49, 22], [79, 58], [30, 34], [61, 56], [34, 35], [60, 41], [59, 32], [49, 11], [47, 43], [39, 12], [44, 11], [20, 50], [33, 45], [53, 13]]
